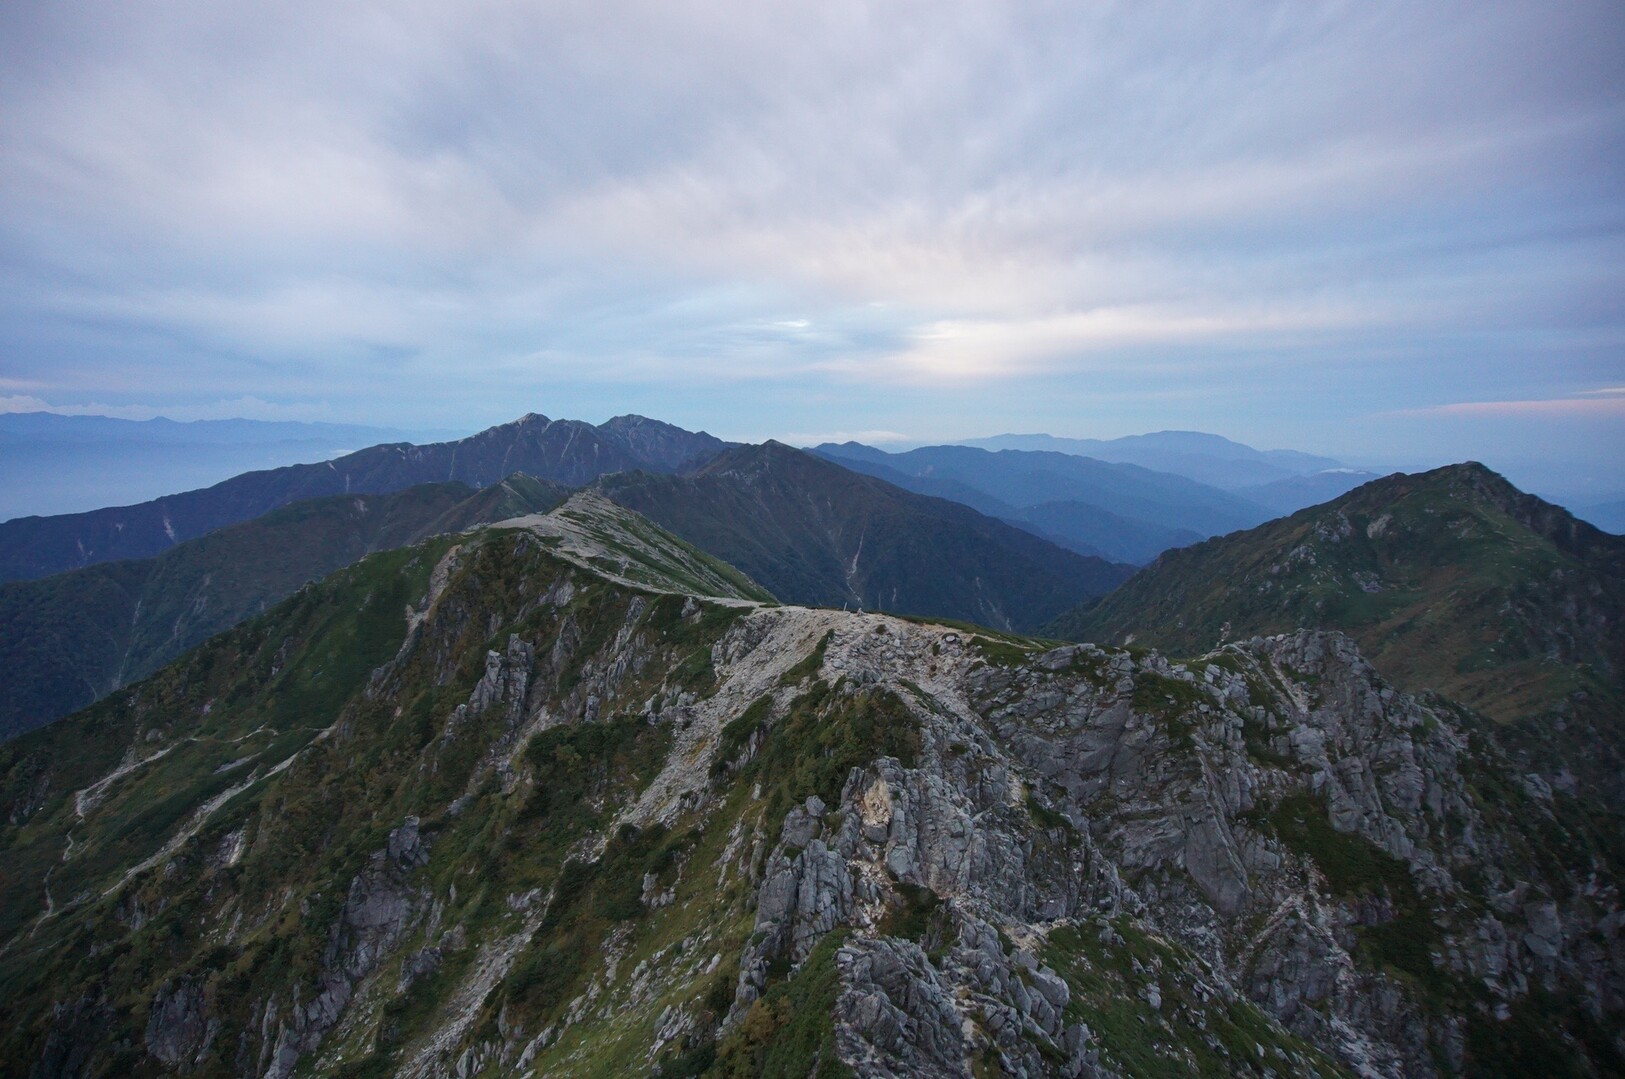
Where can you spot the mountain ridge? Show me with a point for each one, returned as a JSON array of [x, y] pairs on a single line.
[[1198, 455], [813, 532], [1159, 509], [473, 807], [570, 452], [70, 639], [1452, 580]]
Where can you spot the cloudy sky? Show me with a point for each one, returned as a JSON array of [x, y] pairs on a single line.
[[1390, 231]]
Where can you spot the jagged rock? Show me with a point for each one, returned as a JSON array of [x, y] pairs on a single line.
[[1215, 853], [179, 1030]]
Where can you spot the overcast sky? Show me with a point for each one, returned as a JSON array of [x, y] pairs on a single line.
[[1390, 231]]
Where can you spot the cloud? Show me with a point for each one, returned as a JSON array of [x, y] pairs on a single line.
[[1603, 407], [249, 408], [441, 204]]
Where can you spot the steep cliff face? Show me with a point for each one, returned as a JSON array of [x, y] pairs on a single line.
[[558, 822]]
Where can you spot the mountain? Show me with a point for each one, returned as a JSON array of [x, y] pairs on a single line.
[[1206, 458], [1451, 580], [1087, 529], [813, 532], [1294, 493], [70, 464], [561, 451], [1077, 526], [1164, 509], [478, 807], [70, 639]]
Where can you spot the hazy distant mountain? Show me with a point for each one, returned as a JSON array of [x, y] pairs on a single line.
[[814, 532], [562, 451], [72, 464], [1088, 529], [70, 639], [1210, 459], [1077, 526], [1294, 493], [1128, 512]]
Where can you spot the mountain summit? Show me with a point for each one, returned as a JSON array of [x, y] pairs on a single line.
[[1451, 580]]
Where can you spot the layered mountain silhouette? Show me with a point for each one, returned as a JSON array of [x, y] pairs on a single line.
[[561, 451], [814, 532], [1120, 511], [1207, 458]]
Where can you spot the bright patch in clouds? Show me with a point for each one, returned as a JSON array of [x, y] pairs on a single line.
[[1609, 404]]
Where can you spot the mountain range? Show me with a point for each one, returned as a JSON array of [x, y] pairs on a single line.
[[560, 451], [810, 531], [568, 796], [1207, 458], [587, 774], [1120, 511], [818, 534]]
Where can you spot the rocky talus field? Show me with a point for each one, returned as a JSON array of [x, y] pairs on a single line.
[[567, 797]]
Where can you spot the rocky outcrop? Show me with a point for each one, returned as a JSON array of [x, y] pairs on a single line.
[[179, 1029], [379, 907], [618, 831], [1153, 788]]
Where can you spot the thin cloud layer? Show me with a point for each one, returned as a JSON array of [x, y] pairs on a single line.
[[1310, 211]]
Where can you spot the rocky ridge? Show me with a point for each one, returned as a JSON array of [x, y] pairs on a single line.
[[563, 824]]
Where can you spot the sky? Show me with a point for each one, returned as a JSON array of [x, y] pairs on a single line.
[[1391, 232]]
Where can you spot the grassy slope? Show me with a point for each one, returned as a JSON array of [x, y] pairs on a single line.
[[70, 639], [1439, 576], [815, 533], [254, 928]]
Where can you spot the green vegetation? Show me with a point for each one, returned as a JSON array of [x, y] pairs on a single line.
[[69, 639], [1355, 867], [1450, 580], [1545, 1035], [1110, 983], [828, 731], [739, 731], [809, 665], [790, 1033], [918, 918]]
